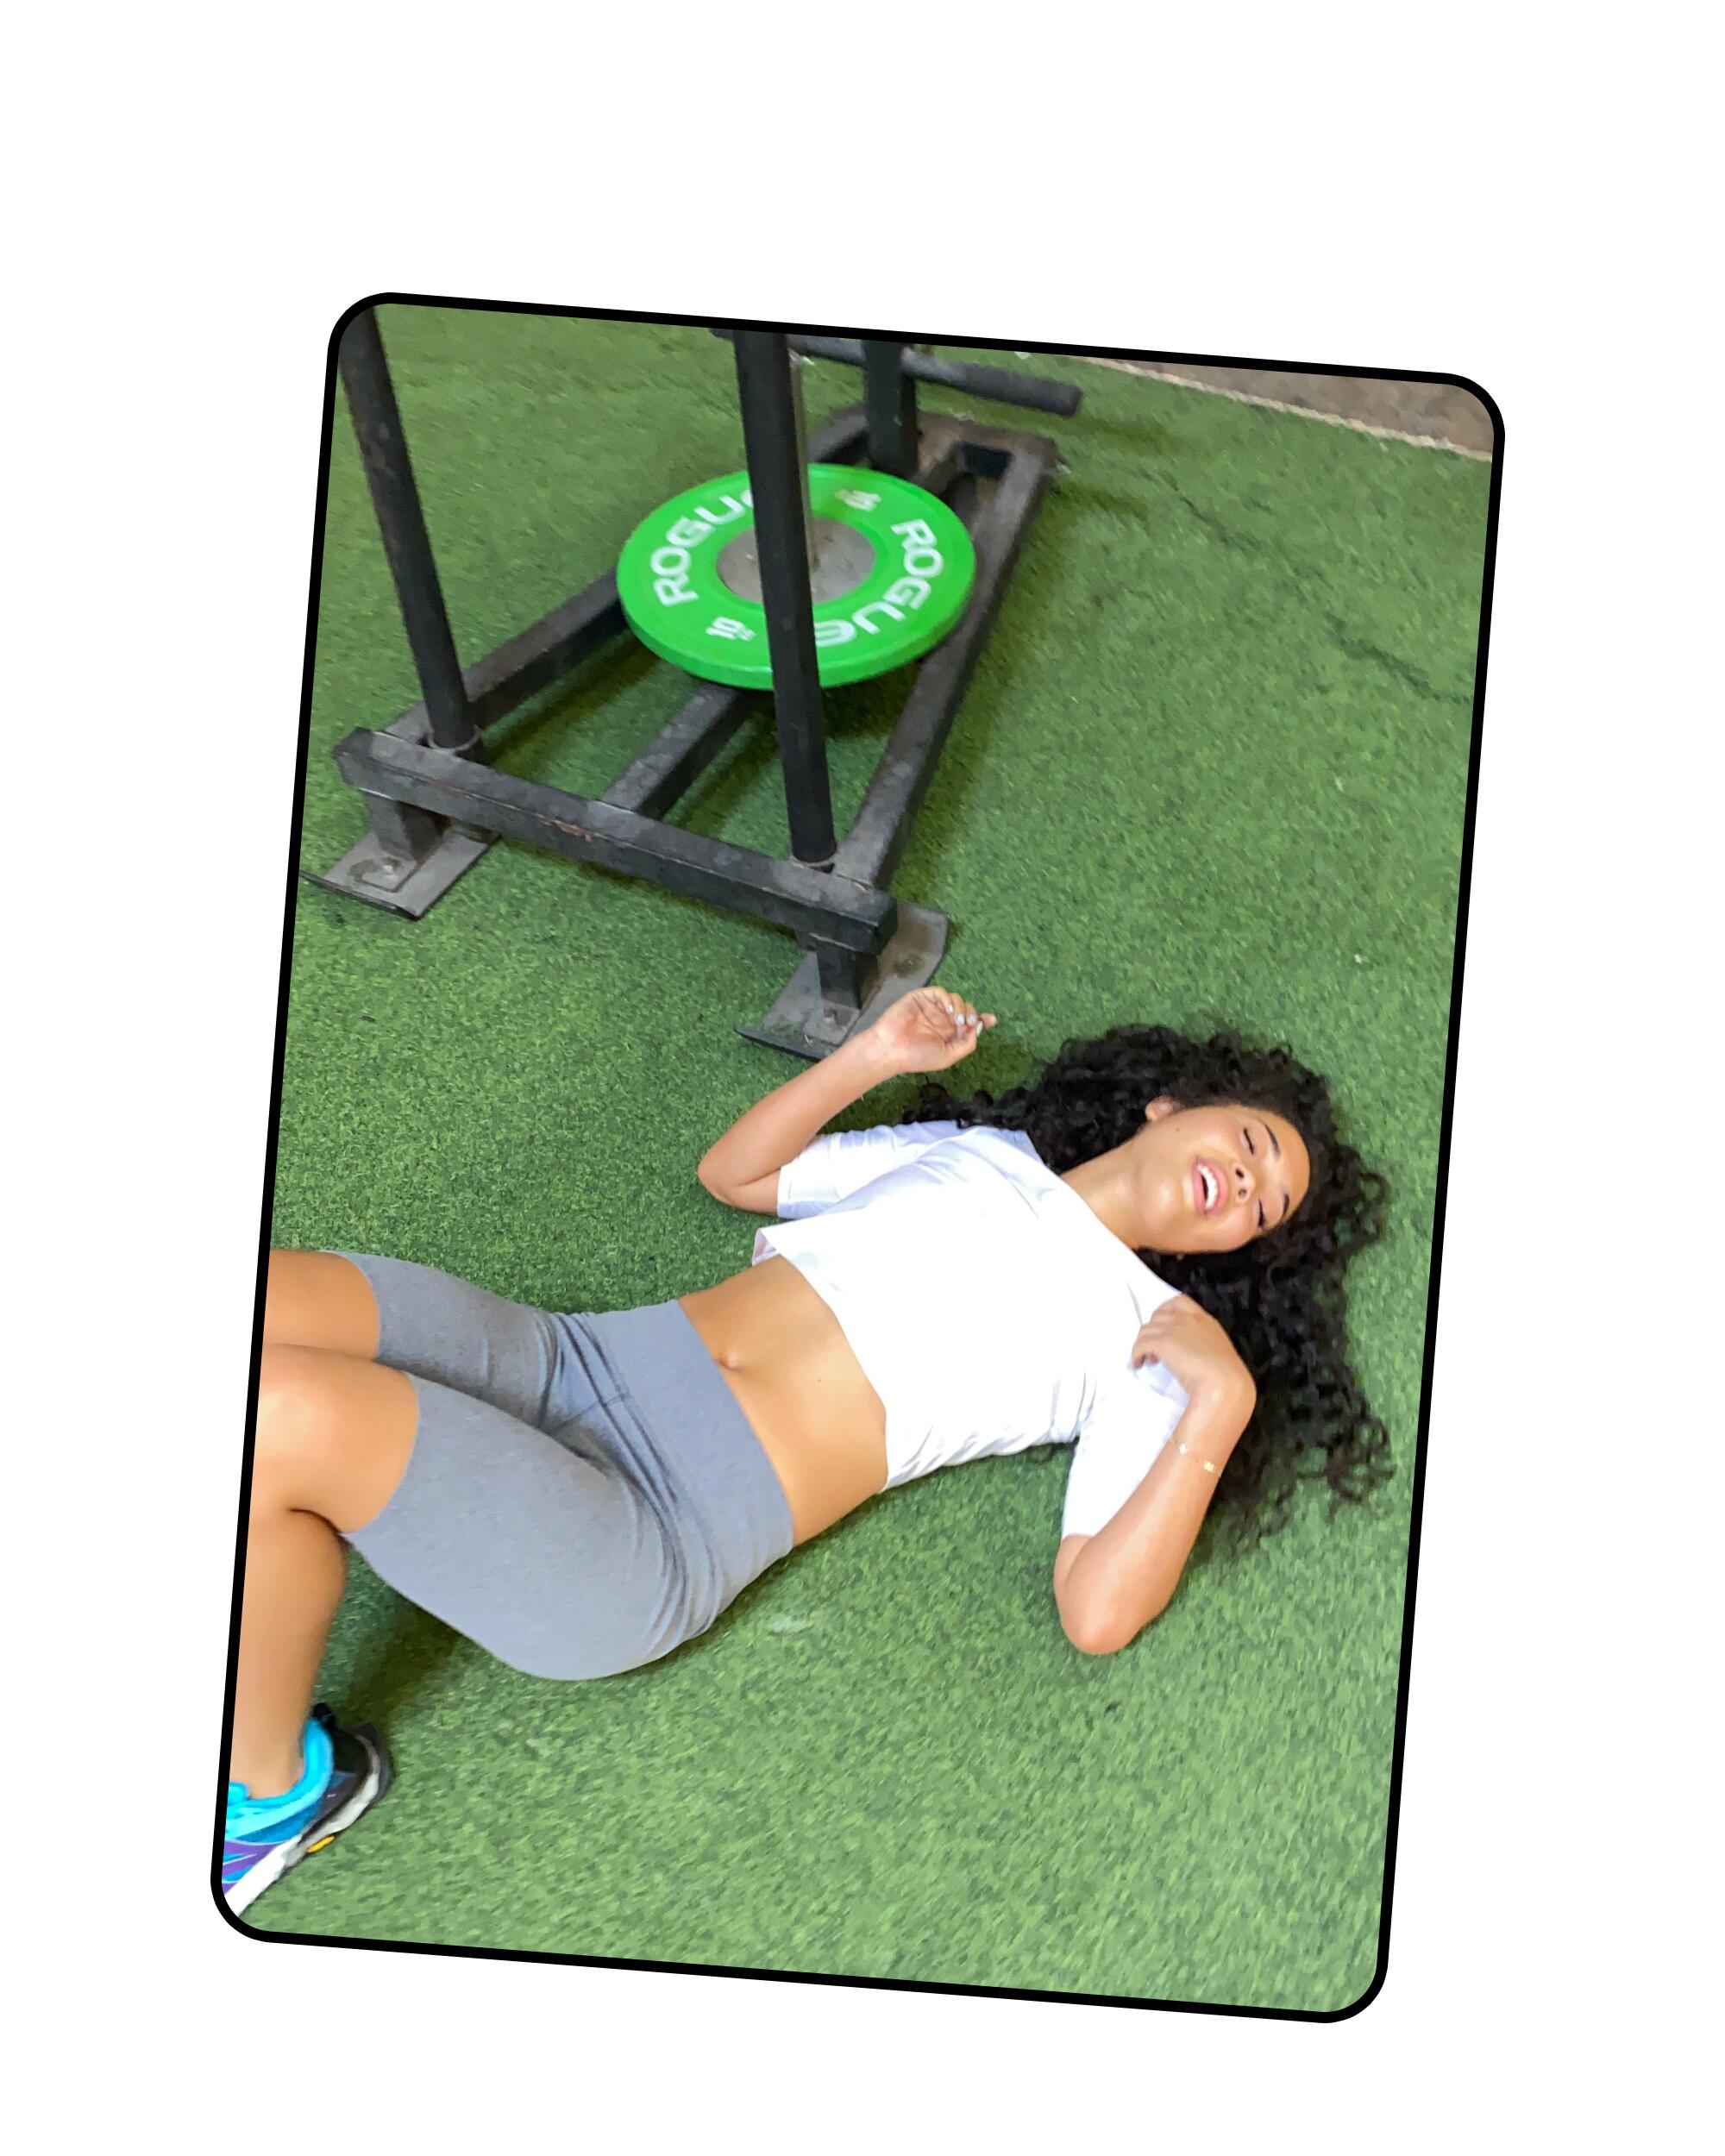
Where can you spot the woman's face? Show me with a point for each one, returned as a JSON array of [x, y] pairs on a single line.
[[1217, 1178]]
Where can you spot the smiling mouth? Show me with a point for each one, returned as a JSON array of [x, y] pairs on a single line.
[[1207, 1188]]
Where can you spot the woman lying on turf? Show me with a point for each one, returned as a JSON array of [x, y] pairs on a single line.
[[582, 1493]]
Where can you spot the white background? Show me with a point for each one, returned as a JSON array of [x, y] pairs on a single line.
[[198, 195]]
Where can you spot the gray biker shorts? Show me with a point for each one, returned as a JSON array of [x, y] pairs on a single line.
[[584, 1493]]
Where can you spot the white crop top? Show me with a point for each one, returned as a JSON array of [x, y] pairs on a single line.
[[987, 1304]]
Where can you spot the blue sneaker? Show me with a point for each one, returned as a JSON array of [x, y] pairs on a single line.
[[346, 1772]]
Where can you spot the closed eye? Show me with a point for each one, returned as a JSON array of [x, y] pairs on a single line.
[[1262, 1222]]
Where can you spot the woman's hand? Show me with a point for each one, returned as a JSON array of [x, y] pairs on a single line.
[[930, 1029], [1186, 1339]]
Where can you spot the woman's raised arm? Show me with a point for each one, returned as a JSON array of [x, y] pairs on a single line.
[[1109, 1585], [928, 1030]]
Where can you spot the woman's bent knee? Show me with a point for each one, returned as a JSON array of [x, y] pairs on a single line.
[[293, 1413], [316, 1298]]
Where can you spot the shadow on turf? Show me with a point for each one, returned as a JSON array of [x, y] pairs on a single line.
[[404, 1664], [1135, 434]]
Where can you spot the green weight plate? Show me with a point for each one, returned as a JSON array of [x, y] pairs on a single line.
[[688, 580]]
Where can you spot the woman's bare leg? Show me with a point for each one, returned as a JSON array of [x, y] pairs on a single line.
[[316, 1300], [334, 1437]]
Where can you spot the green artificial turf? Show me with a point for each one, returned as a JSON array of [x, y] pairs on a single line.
[[1212, 767]]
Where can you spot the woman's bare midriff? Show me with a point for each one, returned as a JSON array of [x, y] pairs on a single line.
[[785, 1357]]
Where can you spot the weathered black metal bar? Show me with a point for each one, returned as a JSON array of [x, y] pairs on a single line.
[[889, 400], [845, 978], [777, 479], [554, 646], [799, 437], [995, 384], [539, 657], [812, 902], [389, 471], [404, 835], [664, 773], [876, 839], [944, 466], [842, 440], [962, 497]]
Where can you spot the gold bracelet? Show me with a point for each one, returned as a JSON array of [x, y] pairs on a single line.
[[1208, 1466]]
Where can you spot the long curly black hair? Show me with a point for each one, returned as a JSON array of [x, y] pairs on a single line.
[[1280, 1298]]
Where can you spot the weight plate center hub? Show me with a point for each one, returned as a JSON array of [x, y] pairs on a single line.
[[894, 567], [843, 558]]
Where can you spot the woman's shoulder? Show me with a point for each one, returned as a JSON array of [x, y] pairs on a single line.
[[975, 1134]]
